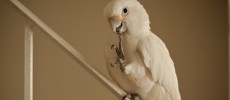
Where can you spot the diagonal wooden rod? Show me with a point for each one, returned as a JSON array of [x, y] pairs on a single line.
[[70, 50]]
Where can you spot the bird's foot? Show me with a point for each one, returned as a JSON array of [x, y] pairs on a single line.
[[131, 97], [121, 58], [119, 62]]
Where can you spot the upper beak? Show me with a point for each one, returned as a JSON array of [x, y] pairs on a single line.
[[117, 24]]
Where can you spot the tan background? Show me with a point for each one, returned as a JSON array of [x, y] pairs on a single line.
[[194, 31]]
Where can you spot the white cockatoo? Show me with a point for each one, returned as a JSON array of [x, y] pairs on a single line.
[[138, 61]]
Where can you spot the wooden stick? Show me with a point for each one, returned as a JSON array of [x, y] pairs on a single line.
[[28, 67]]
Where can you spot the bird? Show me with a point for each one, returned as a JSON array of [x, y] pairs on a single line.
[[137, 60]]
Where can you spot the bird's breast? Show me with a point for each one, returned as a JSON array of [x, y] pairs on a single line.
[[130, 46]]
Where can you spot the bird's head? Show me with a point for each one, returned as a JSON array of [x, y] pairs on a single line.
[[127, 15]]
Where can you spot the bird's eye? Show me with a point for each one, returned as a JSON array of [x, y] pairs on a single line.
[[125, 11]]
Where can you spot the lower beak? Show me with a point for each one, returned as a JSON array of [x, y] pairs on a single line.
[[118, 26]]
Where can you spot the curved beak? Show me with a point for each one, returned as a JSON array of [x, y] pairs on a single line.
[[117, 24]]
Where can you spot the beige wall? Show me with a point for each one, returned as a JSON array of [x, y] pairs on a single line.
[[195, 32]]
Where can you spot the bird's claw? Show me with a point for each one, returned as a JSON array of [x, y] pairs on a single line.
[[114, 65], [120, 61], [114, 47], [121, 58], [119, 51], [131, 97]]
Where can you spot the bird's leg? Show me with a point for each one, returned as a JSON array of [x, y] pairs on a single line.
[[131, 97], [121, 56], [119, 51]]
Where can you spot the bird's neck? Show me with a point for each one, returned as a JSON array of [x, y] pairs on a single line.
[[142, 28], [138, 32]]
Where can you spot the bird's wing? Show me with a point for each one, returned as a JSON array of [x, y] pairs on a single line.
[[156, 59]]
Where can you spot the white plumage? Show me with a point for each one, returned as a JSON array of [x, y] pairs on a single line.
[[149, 70]]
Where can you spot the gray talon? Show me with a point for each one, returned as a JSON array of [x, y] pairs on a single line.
[[113, 65], [113, 47]]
